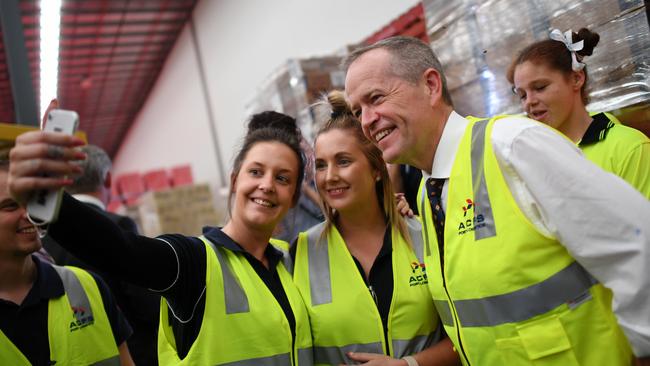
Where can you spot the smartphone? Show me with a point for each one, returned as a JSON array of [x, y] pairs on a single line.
[[43, 206]]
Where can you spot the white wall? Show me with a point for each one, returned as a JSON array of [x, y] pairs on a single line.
[[241, 43]]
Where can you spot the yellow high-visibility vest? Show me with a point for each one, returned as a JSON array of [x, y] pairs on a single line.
[[507, 294], [243, 324], [78, 328], [623, 151], [342, 311]]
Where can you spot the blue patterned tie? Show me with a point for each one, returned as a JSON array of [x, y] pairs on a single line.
[[434, 190]]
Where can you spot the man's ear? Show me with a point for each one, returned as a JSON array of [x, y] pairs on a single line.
[[433, 83]]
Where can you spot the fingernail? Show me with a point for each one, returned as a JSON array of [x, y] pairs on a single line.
[[78, 141]]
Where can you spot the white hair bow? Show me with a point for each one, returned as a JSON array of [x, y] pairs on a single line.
[[567, 39]]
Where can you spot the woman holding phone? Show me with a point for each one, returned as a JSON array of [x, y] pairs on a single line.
[[228, 298]]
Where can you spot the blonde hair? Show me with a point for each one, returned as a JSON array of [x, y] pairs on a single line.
[[333, 113]]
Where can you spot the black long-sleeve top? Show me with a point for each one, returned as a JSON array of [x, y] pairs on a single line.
[[173, 265]]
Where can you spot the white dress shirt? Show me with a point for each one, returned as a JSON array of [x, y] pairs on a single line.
[[86, 198], [602, 221]]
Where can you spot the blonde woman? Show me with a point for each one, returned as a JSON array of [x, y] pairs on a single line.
[[361, 272]]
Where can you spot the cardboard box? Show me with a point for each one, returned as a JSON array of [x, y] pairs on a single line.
[[183, 210]]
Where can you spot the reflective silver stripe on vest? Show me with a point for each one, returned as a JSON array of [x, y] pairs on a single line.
[[233, 293], [565, 286], [277, 360], [444, 311], [338, 355], [415, 231], [79, 301], [286, 260], [486, 228], [75, 292], [305, 357], [113, 361], [403, 348], [319, 267]]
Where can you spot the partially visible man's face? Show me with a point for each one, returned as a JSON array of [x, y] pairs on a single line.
[[18, 237], [395, 113]]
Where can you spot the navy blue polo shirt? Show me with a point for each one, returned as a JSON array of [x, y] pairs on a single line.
[[26, 324]]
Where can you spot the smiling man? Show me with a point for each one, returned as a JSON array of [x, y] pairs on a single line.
[[525, 236], [50, 314]]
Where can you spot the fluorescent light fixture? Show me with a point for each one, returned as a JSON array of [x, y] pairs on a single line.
[[50, 21]]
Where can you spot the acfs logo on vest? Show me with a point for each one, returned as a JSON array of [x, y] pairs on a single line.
[[472, 222], [81, 319], [418, 274]]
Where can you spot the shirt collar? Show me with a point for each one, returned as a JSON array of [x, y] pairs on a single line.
[[85, 198], [597, 130], [221, 239], [48, 284], [447, 147]]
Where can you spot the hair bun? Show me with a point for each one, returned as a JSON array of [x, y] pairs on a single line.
[[590, 41], [339, 105], [273, 120]]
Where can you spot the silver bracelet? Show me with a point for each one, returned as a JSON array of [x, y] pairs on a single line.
[[410, 360]]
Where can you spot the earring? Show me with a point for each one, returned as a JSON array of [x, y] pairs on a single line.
[[377, 179]]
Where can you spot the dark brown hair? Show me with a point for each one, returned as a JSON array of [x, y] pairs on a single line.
[[271, 126], [555, 55]]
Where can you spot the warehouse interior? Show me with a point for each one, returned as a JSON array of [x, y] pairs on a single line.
[[166, 87], [305, 182]]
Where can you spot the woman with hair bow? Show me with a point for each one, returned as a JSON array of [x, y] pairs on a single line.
[[550, 79]]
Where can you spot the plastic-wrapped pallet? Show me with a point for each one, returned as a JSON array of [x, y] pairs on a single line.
[[477, 39], [295, 85]]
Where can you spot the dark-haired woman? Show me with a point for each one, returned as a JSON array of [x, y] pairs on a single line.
[[361, 272], [550, 78], [228, 298]]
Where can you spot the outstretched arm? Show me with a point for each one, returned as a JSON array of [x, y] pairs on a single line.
[[42, 160]]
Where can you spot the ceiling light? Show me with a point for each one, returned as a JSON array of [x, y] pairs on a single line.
[[50, 22]]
